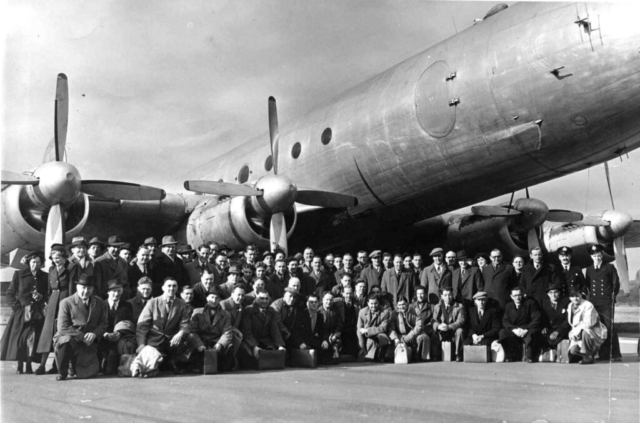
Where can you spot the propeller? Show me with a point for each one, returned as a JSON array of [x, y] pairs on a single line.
[[273, 194], [618, 242], [57, 184]]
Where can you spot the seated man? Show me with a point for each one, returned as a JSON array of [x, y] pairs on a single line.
[[587, 333], [143, 295], [286, 309], [233, 306], [406, 327], [349, 311], [202, 288], [309, 326], [333, 324], [259, 329], [422, 308], [211, 328], [82, 319], [114, 344], [521, 322], [373, 324], [555, 325], [484, 323], [164, 325], [448, 323]]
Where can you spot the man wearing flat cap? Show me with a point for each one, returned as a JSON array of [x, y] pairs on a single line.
[[569, 277], [604, 285], [484, 323], [372, 274], [82, 320], [115, 343], [168, 265], [466, 280], [111, 266], [555, 324], [79, 262], [435, 276], [153, 245]]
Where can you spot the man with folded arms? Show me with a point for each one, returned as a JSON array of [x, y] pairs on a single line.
[[406, 327]]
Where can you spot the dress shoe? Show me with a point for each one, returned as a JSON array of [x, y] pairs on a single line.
[[40, 371], [459, 359], [19, 370], [529, 360], [617, 358], [61, 377], [28, 370], [586, 360], [52, 371]]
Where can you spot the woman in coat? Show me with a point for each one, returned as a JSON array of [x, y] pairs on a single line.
[[587, 333], [59, 289], [26, 296]]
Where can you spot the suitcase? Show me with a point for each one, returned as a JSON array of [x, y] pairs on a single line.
[[563, 352], [477, 353], [210, 366], [448, 351], [271, 359], [547, 356], [303, 358], [402, 354]]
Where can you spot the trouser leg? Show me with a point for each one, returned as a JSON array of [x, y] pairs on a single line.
[[64, 353], [610, 347]]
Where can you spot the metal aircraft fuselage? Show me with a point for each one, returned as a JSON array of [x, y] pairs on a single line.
[[532, 93]]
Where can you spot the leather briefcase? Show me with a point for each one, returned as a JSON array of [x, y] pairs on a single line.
[[563, 352], [303, 358], [402, 354], [210, 366], [477, 353], [447, 351], [271, 359], [547, 356]]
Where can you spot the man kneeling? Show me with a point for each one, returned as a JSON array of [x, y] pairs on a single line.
[[373, 324], [211, 328], [407, 328], [448, 323], [82, 320], [259, 330]]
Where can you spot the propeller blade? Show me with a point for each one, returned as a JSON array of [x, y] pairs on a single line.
[[278, 233], [122, 191], [61, 116], [273, 133], [632, 237], [564, 216], [532, 239], [221, 188], [591, 221], [325, 199], [55, 228], [493, 211], [13, 178], [621, 264], [606, 171]]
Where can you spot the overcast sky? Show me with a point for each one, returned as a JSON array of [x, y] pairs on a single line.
[[158, 88]]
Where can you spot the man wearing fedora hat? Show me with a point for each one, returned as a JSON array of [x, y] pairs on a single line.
[[234, 276], [604, 285], [435, 276], [79, 262], [555, 324], [185, 253], [168, 265], [110, 266], [95, 248], [466, 280], [82, 320], [115, 343]]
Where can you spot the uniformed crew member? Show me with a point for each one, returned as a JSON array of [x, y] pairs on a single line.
[[570, 277]]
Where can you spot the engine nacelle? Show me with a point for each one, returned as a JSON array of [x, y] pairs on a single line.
[[233, 223], [23, 221], [481, 234]]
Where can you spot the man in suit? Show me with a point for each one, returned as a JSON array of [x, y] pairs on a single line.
[[259, 329], [211, 329], [114, 343], [604, 284], [82, 320], [164, 324], [466, 280], [536, 277], [448, 323], [196, 268], [484, 323], [220, 268], [142, 268], [79, 262], [435, 276], [555, 324], [518, 266], [347, 269], [451, 260], [234, 306], [373, 325], [398, 282], [417, 267], [95, 249], [286, 309], [570, 277], [167, 265], [344, 282], [110, 266], [372, 274], [521, 323], [422, 308], [407, 327], [143, 295], [317, 280], [498, 279], [333, 321], [201, 289], [249, 298], [307, 266], [362, 262], [278, 281]]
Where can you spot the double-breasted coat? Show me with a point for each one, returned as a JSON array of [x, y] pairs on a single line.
[[498, 282], [398, 284], [59, 289]]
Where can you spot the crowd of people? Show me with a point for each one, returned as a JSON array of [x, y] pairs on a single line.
[[100, 302]]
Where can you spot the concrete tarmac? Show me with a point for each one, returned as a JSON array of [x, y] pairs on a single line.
[[427, 392]]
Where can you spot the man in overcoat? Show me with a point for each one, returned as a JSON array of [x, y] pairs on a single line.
[[398, 282], [466, 280], [373, 325], [498, 279], [407, 327], [521, 323], [435, 276], [259, 329]]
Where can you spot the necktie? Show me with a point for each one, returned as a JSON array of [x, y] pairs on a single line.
[[554, 305], [480, 313], [113, 308], [169, 304], [86, 304], [144, 269], [401, 324], [313, 321], [462, 272]]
